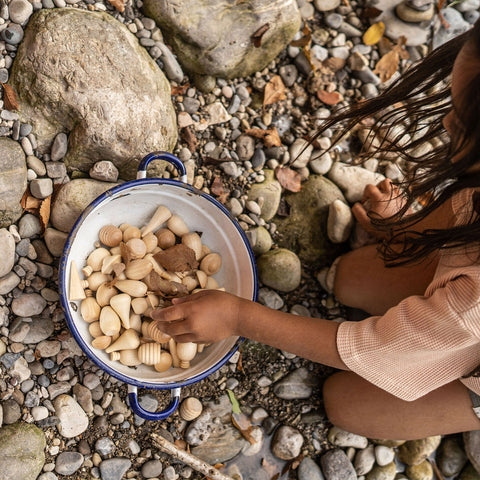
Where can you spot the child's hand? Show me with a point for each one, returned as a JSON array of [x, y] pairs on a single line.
[[204, 317], [380, 201]]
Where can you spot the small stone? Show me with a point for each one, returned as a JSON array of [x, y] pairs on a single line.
[[59, 147], [7, 259], [245, 147], [270, 299], [289, 74], [105, 446], [336, 465], [340, 221], [300, 152], [287, 443], [28, 304], [29, 226], [56, 170], [67, 463], [414, 452], [326, 5], [364, 460], [105, 171], [451, 457], [280, 269], [13, 35], [386, 472], [421, 471], [309, 470], [114, 468], [152, 468], [11, 411], [55, 241], [342, 438], [20, 11], [73, 420], [41, 188]]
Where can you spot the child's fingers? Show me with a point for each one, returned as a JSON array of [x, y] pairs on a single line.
[[385, 186], [168, 314], [361, 216], [371, 192]]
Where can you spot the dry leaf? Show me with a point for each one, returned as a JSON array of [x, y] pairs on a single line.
[[270, 137], [257, 36], [118, 4], [178, 258], [180, 443], [329, 98], [44, 212], [30, 203], [274, 91], [180, 89], [289, 179], [10, 99], [217, 186], [243, 425], [189, 138], [388, 64], [374, 33], [270, 468], [370, 12], [305, 40]]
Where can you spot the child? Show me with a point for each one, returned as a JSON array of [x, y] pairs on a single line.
[[407, 368]]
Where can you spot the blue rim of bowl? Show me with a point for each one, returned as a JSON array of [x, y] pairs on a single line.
[[63, 283]]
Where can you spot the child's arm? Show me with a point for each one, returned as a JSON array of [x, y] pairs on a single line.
[[210, 316]]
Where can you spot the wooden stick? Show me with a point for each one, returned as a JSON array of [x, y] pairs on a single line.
[[187, 458]]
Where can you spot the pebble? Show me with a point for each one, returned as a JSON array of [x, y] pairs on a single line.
[[287, 443], [294, 386], [73, 420], [7, 259], [41, 188], [20, 11], [270, 298], [152, 468], [114, 468], [384, 455], [336, 465], [309, 470], [105, 171], [67, 463], [105, 446], [364, 460], [13, 35], [29, 226]]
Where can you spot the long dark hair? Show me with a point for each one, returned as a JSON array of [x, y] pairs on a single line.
[[410, 112]]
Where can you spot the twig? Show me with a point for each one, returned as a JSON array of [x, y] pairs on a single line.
[[436, 470], [187, 458]]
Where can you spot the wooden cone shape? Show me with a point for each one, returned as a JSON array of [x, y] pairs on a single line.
[[76, 291], [128, 340], [161, 215], [121, 304]]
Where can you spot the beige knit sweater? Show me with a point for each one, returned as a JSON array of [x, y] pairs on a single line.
[[425, 341]]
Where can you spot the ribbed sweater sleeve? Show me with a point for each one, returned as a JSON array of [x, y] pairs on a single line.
[[418, 345]]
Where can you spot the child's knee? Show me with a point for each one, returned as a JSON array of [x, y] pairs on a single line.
[[336, 398]]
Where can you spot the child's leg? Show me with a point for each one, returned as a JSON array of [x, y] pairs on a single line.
[[358, 406], [362, 280]]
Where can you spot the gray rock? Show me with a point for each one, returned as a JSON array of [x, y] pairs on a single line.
[[11, 411], [471, 441], [245, 147], [352, 179], [296, 385], [225, 33], [72, 199], [336, 466], [309, 470], [13, 34], [105, 171], [287, 443], [152, 468], [20, 11], [270, 298], [280, 269], [106, 92], [364, 460], [41, 187], [105, 446], [260, 240], [73, 420], [114, 468], [67, 463], [84, 397], [300, 152], [384, 455], [223, 443], [40, 328], [450, 456], [29, 226], [55, 241], [7, 259], [305, 229], [56, 170], [28, 305], [8, 282], [59, 147], [456, 26], [326, 5], [341, 438], [21, 451], [13, 181], [271, 191], [172, 68], [340, 222]]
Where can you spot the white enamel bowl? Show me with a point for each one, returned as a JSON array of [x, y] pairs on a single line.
[[135, 202]]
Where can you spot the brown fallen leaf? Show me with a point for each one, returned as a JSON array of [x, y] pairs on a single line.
[[370, 12], [329, 98], [118, 4], [29, 203], [217, 186], [304, 41], [189, 138], [180, 89], [388, 64], [178, 258], [243, 425], [270, 137], [10, 99], [44, 212], [289, 179], [374, 33], [256, 38], [274, 91], [292, 464]]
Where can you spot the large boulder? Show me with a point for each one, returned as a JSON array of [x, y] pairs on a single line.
[[21, 451], [13, 181], [304, 231], [101, 87], [214, 37]]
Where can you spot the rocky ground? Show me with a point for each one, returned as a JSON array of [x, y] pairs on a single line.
[[63, 417]]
